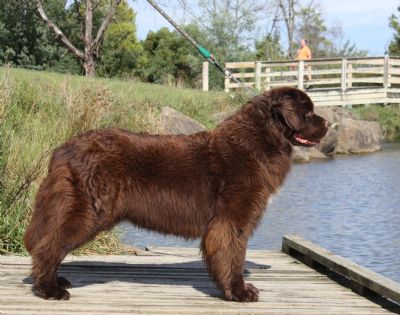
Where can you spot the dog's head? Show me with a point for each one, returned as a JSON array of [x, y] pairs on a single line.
[[294, 111]]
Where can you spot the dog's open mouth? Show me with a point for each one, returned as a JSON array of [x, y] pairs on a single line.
[[298, 139]]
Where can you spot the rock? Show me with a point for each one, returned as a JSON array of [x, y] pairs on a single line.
[[315, 154], [174, 122], [358, 136], [300, 155], [329, 142], [221, 116], [334, 114], [304, 155]]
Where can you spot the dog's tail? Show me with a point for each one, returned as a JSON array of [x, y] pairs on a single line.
[[35, 230]]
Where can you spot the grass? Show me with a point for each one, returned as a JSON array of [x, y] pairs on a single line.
[[40, 110]]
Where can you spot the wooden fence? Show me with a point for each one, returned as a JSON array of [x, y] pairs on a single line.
[[329, 82]]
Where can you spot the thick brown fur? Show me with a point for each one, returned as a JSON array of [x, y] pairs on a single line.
[[210, 185]]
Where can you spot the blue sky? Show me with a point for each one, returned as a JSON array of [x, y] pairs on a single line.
[[364, 22]]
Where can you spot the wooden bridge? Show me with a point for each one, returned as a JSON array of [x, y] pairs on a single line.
[[329, 82], [301, 279]]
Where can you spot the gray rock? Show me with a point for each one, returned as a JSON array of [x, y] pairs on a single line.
[[300, 155], [358, 136], [174, 122], [304, 155], [329, 142], [315, 154], [221, 116], [333, 114]]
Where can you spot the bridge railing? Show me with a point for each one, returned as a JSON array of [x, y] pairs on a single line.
[[319, 74]]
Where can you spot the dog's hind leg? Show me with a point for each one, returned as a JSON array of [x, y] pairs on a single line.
[[63, 220], [52, 249], [224, 250]]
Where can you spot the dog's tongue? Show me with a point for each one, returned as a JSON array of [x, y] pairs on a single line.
[[300, 139]]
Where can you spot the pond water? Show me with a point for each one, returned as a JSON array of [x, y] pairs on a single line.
[[349, 205]]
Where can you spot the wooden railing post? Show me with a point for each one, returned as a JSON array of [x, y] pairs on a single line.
[[386, 75], [267, 78], [258, 75], [343, 75], [349, 75], [300, 76], [226, 82], [205, 76]]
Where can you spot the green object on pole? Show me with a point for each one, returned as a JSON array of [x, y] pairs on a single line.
[[204, 52]]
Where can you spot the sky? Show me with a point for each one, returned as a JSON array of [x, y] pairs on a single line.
[[364, 22]]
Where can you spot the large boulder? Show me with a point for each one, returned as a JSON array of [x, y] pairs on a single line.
[[174, 122], [348, 135], [358, 136]]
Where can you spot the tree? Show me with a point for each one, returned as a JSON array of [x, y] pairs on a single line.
[[122, 54], [269, 48], [324, 41], [287, 9], [394, 23], [91, 44], [311, 26], [171, 58]]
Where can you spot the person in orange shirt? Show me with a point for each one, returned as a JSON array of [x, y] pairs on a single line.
[[304, 53]]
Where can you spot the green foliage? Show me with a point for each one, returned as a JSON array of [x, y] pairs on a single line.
[[122, 54], [171, 59], [24, 41], [394, 23], [269, 48]]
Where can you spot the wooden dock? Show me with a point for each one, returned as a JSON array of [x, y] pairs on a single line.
[[175, 281]]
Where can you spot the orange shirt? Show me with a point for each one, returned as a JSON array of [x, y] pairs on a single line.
[[304, 53]]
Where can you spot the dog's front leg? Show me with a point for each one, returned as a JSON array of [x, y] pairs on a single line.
[[224, 251]]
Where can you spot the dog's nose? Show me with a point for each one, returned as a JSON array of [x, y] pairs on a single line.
[[327, 123]]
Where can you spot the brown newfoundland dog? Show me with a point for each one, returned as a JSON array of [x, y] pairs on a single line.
[[211, 185]]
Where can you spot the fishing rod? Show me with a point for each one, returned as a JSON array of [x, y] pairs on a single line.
[[202, 50]]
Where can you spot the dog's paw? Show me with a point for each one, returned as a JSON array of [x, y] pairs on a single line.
[[64, 283], [51, 293], [248, 294]]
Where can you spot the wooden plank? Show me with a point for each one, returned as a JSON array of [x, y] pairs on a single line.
[[366, 61], [235, 65], [354, 272]]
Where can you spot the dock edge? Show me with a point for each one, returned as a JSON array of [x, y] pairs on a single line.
[[362, 280]]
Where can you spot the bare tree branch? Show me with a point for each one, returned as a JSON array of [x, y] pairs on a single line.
[[58, 32], [104, 25]]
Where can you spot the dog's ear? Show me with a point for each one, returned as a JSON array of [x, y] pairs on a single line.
[[282, 110]]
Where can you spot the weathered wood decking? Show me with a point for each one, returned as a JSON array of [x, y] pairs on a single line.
[[175, 281]]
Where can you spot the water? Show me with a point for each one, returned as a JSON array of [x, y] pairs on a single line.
[[349, 205]]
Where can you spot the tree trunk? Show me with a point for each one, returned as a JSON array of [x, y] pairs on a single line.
[[89, 62], [90, 65]]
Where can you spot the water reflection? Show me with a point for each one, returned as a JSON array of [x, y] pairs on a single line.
[[349, 205]]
